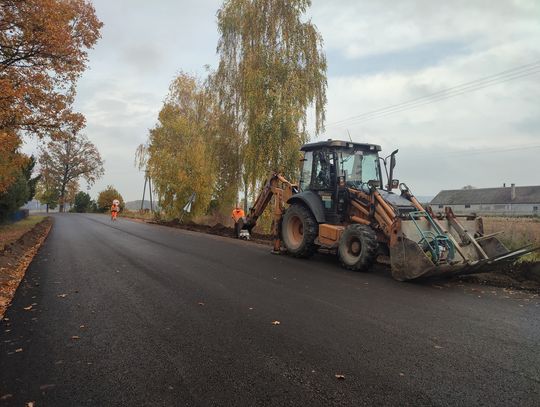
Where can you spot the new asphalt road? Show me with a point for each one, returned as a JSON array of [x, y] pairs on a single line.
[[129, 314]]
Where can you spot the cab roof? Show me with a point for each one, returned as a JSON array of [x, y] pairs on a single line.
[[340, 144]]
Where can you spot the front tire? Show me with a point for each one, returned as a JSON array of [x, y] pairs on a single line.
[[358, 247], [299, 229]]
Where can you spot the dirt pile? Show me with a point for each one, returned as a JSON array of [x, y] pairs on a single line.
[[218, 229], [521, 275]]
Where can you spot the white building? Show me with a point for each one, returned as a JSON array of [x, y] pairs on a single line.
[[505, 201]]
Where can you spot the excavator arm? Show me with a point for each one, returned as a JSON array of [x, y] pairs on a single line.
[[278, 187]]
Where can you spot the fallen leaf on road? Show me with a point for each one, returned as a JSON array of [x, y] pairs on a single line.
[[401, 374], [18, 350], [6, 396], [201, 303], [30, 404], [75, 337], [28, 308], [276, 322], [250, 308], [62, 295], [82, 326], [46, 386], [340, 376], [438, 347]]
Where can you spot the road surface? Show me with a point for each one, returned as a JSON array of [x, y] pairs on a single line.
[[132, 314]]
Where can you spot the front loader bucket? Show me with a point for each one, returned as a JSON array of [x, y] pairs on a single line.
[[426, 247], [409, 262]]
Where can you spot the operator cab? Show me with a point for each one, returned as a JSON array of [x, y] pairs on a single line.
[[330, 167]]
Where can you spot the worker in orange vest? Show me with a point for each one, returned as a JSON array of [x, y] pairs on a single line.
[[238, 216], [115, 208], [237, 213]]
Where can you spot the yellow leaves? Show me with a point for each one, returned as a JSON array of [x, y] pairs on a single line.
[[12, 159], [272, 66], [276, 323], [180, 155]]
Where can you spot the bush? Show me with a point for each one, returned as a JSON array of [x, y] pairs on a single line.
[[106, 197], [82, 202]]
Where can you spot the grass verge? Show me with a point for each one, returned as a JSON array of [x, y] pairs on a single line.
[[21, 243]]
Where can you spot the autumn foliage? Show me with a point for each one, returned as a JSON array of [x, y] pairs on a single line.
[[106, 197], [43, 51], [64, 162], [223, 135]]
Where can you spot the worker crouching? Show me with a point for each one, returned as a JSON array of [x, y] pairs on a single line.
[[239, 218]]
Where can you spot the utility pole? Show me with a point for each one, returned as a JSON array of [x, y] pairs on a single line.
[[147, 180]]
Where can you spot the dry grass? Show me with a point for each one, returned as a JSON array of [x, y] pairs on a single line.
[[13, 231], [146, 215], [517, 232]]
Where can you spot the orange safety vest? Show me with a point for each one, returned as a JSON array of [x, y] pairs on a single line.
[[237, 214]]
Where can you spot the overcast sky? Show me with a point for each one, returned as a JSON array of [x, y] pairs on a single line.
[[380, 54]]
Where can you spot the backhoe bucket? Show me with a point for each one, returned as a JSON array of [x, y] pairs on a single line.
[[446, 247]]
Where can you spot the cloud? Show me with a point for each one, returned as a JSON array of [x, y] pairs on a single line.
[[385, 53], [379, 53]]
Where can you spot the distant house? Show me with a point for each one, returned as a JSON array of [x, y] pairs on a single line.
[[511, 200]]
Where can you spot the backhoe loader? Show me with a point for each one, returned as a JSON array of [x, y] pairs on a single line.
[[340, 205]]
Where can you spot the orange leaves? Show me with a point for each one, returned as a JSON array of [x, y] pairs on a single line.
[[43, 51], [11, 159]]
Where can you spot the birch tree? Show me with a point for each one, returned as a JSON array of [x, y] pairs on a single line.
[[272, 71]]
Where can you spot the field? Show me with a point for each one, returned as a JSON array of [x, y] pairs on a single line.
[[517, 232]]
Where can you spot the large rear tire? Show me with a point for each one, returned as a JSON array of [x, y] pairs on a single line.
[[358, 247], [299, 229]]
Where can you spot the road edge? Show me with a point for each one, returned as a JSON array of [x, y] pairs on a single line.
[[24, 262]]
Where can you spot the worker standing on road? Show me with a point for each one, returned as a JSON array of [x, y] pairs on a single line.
[[237, 215], [115, 208]]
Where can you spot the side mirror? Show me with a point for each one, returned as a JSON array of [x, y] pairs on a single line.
[[393, 159]]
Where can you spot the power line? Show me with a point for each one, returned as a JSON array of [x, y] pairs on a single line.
[[504, 76], [484, 151], [492, 79], [427, 102], [494, 150]]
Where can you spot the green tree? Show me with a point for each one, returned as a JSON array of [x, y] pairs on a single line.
[[63, 162], [273, 70], [180, 154], [20, 191], [82, 202], [47, 195], [106, 198]]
